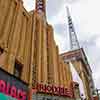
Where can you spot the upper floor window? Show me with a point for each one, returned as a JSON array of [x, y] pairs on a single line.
[[18, 69], [1, 50]]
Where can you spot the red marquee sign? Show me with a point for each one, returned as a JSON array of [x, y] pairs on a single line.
[[51, 89], [12, 91], [12, 86]]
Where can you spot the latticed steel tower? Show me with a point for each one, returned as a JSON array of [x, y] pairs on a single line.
[[74, 44]]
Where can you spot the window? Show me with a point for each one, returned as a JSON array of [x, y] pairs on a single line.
[[1, 51], [17, 69], [43, 98], [49, 99]]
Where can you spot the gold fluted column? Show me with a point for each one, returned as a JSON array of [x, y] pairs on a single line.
[[8, 24], [20, 53], [58, 70], [69, 74], [44, 51], [85, 82], [50, 65], [4, 11], [61, 71], [38, 47], [14, 40], [27, 51], [55, 53], [32, 55], [65, 75]]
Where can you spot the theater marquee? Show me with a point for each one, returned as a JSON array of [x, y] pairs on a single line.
[[46, 92], [11, 86]]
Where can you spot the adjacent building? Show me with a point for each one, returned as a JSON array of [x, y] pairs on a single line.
[[79, 60]]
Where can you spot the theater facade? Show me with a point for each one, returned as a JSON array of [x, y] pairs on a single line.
[[11, 87], [29, 56]]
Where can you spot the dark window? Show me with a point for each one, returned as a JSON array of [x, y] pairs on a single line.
[[17, 69], [43, 98], [1, 51], [48, 99]]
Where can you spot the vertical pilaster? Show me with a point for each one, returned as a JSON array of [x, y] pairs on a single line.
[[55, 63], [14, 40], [32, 55], [27, 52], [4, 11], [8, 24], [58, 66], [38, 49], [23, 36], [61, 71], [69, 74], [85, 82], [44, 51]]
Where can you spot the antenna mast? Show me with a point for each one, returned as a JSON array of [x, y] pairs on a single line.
[[74, 44]]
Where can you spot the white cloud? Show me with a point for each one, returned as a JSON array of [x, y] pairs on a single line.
[[98, 42], [29, 4]]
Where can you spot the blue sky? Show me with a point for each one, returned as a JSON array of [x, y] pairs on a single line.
[[86, 19]]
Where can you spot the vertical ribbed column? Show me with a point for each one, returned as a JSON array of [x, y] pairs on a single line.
[[44, 51], [8, 24], [30, 51], [49, 56], [64, 73], [69, 74], [85, 82], [55, 63], [4, 11], [22, 36], [27, 50], [29, 76], [14, 39], [38, 49], [58, 70], [61, 71], [34, 50], [33, 68]]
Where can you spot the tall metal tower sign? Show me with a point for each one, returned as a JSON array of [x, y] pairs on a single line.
[[74, 44]]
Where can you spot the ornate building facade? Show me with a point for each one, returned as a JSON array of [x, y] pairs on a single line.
[[27, 47]]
